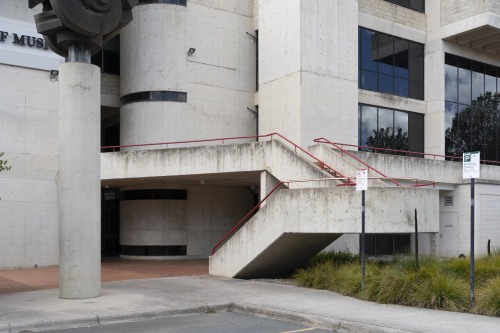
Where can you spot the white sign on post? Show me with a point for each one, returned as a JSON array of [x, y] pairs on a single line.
[[362, 180], [471, 165]]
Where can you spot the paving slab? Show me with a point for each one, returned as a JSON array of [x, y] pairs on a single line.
[[162, 297], [112, 269]]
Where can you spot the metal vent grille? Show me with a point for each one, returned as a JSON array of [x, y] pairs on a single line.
[[448, 201]]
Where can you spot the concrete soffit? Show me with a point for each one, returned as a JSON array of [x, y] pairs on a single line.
[[480, 33]]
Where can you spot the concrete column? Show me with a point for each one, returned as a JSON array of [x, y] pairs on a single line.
[[79, 181], [153, 79]]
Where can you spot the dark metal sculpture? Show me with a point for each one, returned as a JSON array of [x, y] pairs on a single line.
[[81, 25]]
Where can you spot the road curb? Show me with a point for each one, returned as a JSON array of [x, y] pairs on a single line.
[[334, 324], [108, 319]]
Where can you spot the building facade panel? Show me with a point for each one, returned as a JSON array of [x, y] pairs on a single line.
[[208, 69]]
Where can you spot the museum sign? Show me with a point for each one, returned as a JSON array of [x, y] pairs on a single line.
[[21, 45]]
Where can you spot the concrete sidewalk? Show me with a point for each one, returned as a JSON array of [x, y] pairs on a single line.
[[162, 297]]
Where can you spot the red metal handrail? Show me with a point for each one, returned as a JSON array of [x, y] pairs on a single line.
[[244, 219], [349, 182], [409, 152], [323, 140]]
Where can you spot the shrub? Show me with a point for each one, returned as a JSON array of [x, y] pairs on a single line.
[[334, 257], [346, 279], [437, 284], [318, 276], [442, 292], [392, 284], [488, 298]]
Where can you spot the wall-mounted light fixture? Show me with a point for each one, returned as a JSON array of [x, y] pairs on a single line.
[[254, 38], [191, 51], [54, 75], [253, 111]]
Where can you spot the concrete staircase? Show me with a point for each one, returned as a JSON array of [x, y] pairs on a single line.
[[298, 223], [348, 165]]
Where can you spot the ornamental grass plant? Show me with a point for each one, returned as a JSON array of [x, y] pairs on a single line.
[[436, 284]]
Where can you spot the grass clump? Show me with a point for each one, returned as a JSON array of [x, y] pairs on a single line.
[[488, 298], [437, 284], [443, 292]]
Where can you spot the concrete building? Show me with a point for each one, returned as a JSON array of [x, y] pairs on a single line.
[[411, 75]]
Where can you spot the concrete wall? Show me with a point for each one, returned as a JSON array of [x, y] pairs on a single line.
[[198, 222], [414, 167], [308, 69], [272, 156], [110, 90], [28, 127], [454, 237], [219, 78], [390, 12], [456, 10]]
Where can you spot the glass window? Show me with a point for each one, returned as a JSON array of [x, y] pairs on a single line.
[[393, 129], [477, 81], [369, 80], [368, 123], [416, 61], [385, 54], [368, 49], [385, 84], [108, 59], [473, 123], [401, 58], [400, 87], [490, 80], [418, 5], [451, 83], [464, 81], [386, 120], [416, 90], [390, 64]]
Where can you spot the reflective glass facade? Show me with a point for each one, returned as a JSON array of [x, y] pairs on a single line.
[[418, 5], [391, 65], [388, 128], [472, 120]]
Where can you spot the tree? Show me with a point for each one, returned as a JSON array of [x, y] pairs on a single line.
[[386, 138], [475, 128], [3, 164]]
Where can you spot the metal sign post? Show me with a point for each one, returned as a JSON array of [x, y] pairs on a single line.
[[362, 185], [471, 170]]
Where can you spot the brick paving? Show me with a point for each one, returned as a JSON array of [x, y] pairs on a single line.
[[112, 269]]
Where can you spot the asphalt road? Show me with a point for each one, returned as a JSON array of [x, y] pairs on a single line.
[[224, 322]]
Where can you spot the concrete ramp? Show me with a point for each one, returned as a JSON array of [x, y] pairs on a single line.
[[296, 224]]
